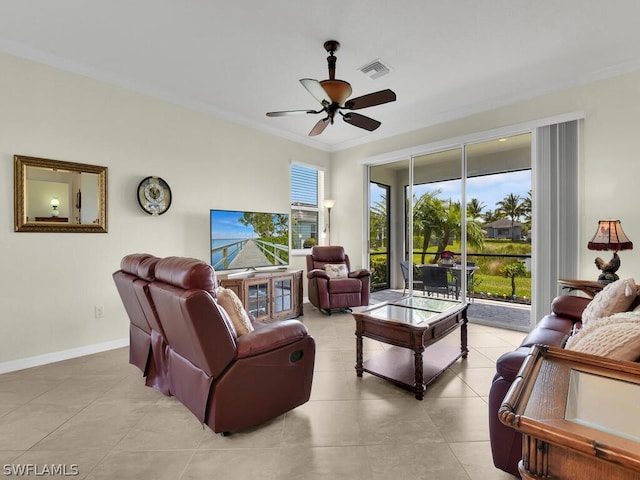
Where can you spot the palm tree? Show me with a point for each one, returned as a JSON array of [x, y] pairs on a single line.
[[428, 215], [378, 222], [449, 227], [526, 210], [491, 216], [475, 234], [474, 208], [511, 206], [452, 225]]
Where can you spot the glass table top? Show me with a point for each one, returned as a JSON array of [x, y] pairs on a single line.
[[431, 304], [413, 310], [602, 403]]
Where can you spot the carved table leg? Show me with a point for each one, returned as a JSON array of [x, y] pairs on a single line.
[[464, 349], [359, 369], [419, 376]]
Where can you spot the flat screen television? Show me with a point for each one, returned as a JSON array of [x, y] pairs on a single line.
[[248, 240]]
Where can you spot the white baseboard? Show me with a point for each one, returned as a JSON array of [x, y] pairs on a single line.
[[53, 357]]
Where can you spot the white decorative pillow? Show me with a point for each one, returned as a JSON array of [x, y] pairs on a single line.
[[614, 298], [616, 337], [228, 300], [336, 270]]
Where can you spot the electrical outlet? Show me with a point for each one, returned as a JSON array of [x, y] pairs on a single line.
[[99, 311]]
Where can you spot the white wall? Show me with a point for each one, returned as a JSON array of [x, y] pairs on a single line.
[[50, 282], [609, 170]]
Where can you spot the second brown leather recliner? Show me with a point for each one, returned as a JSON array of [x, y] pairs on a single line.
[[332, 284]]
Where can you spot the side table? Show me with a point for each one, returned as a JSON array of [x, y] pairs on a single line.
[[589, 287], [578, 414]]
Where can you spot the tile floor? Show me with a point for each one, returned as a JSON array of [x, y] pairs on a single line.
[[95, 413]]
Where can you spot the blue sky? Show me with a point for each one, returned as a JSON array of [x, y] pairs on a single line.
[[489, 189], [225, 225]]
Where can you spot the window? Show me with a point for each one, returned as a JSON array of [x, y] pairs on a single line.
[[306, 193]]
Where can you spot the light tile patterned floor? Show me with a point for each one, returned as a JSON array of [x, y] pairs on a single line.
[[96, 413]]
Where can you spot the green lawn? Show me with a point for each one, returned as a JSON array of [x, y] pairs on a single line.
[[501, 286], [488, 278]]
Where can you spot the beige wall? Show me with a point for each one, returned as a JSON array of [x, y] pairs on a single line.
[[609, 169], [50, 282]]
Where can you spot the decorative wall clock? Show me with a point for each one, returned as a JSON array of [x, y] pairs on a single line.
[[154, 195]]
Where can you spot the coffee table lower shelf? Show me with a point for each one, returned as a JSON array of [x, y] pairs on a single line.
[[397, 365]]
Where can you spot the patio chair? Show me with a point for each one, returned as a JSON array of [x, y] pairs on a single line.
[[436, 280], [456, 280], [405, 266]]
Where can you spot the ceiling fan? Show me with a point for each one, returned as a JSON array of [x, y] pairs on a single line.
[[333, 94]]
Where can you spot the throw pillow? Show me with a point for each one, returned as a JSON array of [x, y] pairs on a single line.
[[614, 298], [336, 270], [616, 337], [228, 300]]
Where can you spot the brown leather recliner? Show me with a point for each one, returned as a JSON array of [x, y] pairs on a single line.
[[139, 329], [227, 381], [326, 293], [147, 347]]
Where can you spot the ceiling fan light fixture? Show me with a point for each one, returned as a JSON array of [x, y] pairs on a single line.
[[338, 90], [333, 94]]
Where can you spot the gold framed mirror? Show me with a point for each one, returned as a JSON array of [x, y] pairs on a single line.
[[59, 196]]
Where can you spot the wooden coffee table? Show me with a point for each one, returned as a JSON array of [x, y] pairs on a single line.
[[414, 326]]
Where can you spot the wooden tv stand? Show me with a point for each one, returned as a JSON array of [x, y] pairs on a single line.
[[268, 295]]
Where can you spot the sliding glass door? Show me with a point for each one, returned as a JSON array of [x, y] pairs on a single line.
[[436, 196], [467, 209], [379, 236]]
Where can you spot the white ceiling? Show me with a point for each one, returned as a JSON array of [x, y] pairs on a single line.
[[239, 59]]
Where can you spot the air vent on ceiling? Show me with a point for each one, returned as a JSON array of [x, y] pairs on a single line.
[[375, 69]]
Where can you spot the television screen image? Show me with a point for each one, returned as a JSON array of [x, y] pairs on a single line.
[[248, 240]]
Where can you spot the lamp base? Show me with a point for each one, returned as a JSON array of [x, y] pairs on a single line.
[[607, 278], [609, 270]]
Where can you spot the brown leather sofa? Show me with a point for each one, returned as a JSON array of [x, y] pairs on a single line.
[[554, 330], [227, 381], [326, 293]]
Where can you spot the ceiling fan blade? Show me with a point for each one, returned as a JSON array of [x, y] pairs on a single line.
[[370, 100], [291, 112], [319, 127], [315, 89], [361, 121]]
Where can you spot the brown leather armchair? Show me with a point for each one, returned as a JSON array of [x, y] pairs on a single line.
[[351, 289], [227, 381]]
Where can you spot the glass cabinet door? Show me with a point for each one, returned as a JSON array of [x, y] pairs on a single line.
[[258, 299], [282, 299]]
